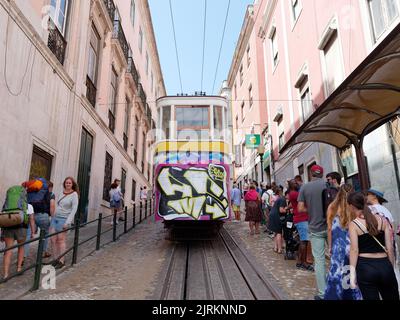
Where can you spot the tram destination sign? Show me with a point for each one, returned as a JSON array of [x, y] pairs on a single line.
[[253, 141]]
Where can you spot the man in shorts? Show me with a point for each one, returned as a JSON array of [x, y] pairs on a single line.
[[236, 199]]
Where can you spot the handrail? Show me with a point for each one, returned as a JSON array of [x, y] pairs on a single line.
[[147, 204]]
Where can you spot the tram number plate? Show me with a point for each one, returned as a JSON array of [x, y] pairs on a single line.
[[289, 225]]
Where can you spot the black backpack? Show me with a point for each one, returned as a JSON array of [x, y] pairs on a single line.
[[328, 195]]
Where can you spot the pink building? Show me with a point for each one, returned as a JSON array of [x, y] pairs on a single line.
[[309, 48]]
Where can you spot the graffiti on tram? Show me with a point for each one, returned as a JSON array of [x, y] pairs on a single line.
[[193, 192]]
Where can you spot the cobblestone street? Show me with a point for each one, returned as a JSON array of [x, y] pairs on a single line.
[[129, 269]]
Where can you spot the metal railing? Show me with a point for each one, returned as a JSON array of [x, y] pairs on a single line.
[[132, 70], [91, 91], [144, 210], [56, 42], [110, 8], [118, 33], [142, 94]]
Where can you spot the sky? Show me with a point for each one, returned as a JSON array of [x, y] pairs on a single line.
[[189, 24]]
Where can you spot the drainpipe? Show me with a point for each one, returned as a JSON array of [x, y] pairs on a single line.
[[362, 163]]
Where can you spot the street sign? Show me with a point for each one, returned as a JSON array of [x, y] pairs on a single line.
[[253, 141]]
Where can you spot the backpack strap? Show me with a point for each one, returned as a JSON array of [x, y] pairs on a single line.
[[358, 224]]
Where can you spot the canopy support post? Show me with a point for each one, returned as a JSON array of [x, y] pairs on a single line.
[[362, 164]]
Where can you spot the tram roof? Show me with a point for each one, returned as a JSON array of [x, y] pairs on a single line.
[[368, 98]]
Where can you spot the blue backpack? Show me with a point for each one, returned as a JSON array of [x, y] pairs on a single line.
[[40, 200], [116, 197]]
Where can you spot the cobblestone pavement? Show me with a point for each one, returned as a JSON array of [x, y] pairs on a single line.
[[297, 284], [124, 270]]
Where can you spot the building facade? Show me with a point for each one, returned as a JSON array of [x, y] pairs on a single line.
[[309, 48], [78, 92]]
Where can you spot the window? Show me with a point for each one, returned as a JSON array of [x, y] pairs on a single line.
[[147, 63], [242, 111], [333, 64], [41, 164], [383, 13], [123, 180], [306, 104], [108, 168], [237, 122], [126, 122], [133, 190], [281, 132], [113, 100], [235, 90], [93, 55], [243, 152], [193, 119], [301, 171], [59, 14], [218, 123], [248, 56], [241, 74], [296, 9], [140, 40], [136, 139], [143, 150], [166, 118], [274, 46], [251, 96], [133, 9]]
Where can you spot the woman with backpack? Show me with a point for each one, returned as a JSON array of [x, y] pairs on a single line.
[[66, 208], [115, 200]]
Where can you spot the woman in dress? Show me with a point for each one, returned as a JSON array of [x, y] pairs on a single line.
[[339, 218], [253, 211], [275, 223], [66, 208]]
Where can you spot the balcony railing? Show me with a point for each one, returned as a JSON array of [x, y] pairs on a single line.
[[110, 8], [125, 142], [148, 113], [118, 33], [56, 42], [142, 94], [111, 121], [132, 70], [91, 91]]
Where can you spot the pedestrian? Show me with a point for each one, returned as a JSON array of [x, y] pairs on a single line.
[[339, 218], [253, 212], [143, 193], [310, 201], [16, 233], [115, 200], [236, 199], [300, 220], [65, 211], [245, 188], [371, 254], [299, 182], [266, 203], [277, 215], [333, 180]]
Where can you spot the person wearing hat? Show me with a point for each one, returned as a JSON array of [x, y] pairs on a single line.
[[310, 201], [375, 200]]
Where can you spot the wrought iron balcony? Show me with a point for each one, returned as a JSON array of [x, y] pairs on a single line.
[[111, 121], [110, 8], [125, 142], [56, 42], [91, 91], [118, 33], [132, 70], [142, 94]]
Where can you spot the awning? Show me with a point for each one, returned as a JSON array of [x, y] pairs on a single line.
[[367, 99]]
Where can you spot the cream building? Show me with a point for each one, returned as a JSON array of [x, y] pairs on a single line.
[[78, 85]]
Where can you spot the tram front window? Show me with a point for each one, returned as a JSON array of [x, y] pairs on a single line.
[[166, 118], [218, 123], [193, 122]]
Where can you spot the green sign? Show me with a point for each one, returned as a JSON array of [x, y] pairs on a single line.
[[267, 159], [253, 141]]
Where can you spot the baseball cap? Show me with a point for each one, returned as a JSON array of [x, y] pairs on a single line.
[[317, 169]]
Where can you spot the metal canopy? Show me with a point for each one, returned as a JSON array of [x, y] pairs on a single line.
[[367, 99]]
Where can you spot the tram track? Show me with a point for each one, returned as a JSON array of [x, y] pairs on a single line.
[[219, 269]]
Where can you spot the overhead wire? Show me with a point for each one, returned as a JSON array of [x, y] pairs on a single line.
[[222, 42], [204, 43], [176, 46]]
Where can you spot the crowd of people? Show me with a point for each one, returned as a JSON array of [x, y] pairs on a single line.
[[353, 229]]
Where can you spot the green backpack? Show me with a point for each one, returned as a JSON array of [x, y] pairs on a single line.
[[16, 201]]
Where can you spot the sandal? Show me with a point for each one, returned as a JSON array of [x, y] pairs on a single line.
[[46, 255]]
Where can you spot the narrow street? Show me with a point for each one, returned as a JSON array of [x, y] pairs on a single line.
[[133, 267]]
